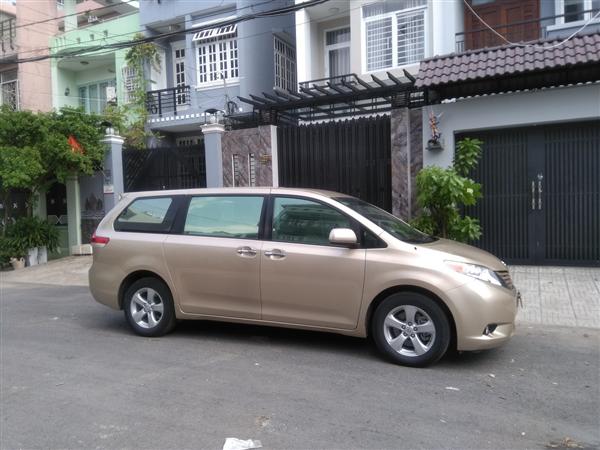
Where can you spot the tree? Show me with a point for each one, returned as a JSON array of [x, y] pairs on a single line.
[[443, 192], [39, 149]]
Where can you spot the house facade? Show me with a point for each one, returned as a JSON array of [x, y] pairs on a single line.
[[19, 40], [528, 89], [203, 73]]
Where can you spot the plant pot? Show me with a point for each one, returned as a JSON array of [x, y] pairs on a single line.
[[42, 255], [32, 256], [17, 263]]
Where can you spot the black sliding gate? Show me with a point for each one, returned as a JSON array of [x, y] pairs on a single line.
[[164, 168], [351, 156], [541, 189]]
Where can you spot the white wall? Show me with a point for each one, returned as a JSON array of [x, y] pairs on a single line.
[[508, 110], [445, 19]]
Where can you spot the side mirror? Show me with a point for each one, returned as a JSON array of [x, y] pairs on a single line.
[[343, 236]]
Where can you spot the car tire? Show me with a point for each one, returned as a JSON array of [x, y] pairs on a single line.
[[411, 329], [148, 307]]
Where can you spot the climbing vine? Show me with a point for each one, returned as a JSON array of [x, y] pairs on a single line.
[[130, 119]]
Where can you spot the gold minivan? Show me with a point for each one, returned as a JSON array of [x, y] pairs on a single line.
[[298, 258]]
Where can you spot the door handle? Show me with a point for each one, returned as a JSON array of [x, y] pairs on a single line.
[[246, 251], [533, 195], [540, 177], [275, 253]]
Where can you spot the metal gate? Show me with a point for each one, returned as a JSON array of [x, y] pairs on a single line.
[[164, 168], [541, 188], [351, 156]]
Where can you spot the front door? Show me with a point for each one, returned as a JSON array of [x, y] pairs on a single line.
[[215, 262], [304, 279], [541, 193]]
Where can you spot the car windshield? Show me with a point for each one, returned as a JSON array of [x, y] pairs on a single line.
[[394, 226]]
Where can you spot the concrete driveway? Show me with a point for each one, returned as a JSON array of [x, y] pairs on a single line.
[[73, 376]]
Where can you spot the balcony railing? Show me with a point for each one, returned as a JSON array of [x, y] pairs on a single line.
[[168, 101], [521, 31], [324, 82]]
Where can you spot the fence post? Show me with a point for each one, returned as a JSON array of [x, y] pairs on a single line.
[[113, 169], [213, 133]]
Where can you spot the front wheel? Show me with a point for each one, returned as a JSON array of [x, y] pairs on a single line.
[[148, 306], [411, 329]]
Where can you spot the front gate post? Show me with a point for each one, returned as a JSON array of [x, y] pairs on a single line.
[[213, 155], [113, 169]]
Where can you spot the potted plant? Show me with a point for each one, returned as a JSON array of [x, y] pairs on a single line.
[[49, 241], [29, 232], [12, 251]]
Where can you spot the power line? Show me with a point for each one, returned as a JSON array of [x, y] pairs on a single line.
[[50, 19], [129, 33], [147, 39], [539, 47]]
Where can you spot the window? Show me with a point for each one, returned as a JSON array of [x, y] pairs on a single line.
[[285, 64], [150, 215], [251, 170], [188, 141], [224, 216], [337, 52], [305, 221], [179, 74], [217, 55], [394, 33], [130, 83], [396, 227], [9, 89], [94, 97], [575, 10]]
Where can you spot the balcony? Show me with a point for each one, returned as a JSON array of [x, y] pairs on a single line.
[[522, 31], [168, 101]]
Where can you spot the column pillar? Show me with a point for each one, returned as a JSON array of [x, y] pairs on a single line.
[[113, 169], [407, 159], [213, 154], [73, 214]]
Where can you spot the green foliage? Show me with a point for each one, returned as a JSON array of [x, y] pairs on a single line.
[[11, 248], [467, 155], [30, 232], [35, 150], [443, 192], [130, 119]]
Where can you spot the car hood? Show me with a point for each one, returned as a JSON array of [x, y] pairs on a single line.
[[456, 251]]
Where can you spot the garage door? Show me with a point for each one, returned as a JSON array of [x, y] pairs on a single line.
[[541, 193]]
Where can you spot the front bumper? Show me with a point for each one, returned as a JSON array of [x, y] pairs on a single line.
[[478, 305]]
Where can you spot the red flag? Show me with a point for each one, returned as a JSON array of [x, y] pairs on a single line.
[[75, 146]]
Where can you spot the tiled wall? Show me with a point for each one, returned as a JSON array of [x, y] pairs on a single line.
[[242, 143], [407, 159]]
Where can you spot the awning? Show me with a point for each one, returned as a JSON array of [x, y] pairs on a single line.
[[225, 30]]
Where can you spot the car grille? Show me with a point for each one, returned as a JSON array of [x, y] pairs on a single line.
[[504, 276]]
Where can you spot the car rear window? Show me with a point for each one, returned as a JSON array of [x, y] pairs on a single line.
[[150, 215]]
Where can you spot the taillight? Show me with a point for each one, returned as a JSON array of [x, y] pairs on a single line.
[[100, 240]]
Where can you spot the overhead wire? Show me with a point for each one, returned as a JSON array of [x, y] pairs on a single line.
[[524, 44]]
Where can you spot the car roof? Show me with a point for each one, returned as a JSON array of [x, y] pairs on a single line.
[[238, 190]]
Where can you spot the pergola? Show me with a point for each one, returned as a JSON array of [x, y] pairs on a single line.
[[337, 97]]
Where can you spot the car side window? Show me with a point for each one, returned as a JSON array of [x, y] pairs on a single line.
[[150, 215], [305, 221], [224, 216]]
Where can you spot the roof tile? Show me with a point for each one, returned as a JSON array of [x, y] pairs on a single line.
[[509, 59]]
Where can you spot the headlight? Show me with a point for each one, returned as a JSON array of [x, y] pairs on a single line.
[[472, 270]]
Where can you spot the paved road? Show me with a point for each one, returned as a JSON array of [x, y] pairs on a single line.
[[73, 376]]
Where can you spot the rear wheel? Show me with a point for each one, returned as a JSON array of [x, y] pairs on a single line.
[[148, 306], [411, 329]]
